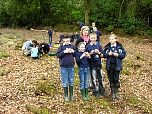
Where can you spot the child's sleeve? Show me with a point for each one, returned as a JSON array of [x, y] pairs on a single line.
[[60, 53], [105, 52], [77, 58], [122, 53]]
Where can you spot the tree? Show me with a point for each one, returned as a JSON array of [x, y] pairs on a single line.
[[87, 5]]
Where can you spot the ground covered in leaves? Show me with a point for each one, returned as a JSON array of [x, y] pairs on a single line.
[[33, 86]]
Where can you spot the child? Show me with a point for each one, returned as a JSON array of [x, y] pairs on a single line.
[[98, 35], [50, 32], [66, 55], [82, 60], [93, 27], [96, 53], [44, 48], [35, 51], [26, 48], [114, 52]]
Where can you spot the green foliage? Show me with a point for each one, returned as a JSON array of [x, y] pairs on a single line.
[[110, 28], [129, 25], [76, 15], [2, 71], [45, 87], [109, 14], [35, 110], [3, 54]]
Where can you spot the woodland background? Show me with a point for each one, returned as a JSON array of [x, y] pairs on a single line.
[[30, 86]]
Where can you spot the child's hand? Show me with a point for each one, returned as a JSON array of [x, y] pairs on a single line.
[[115, 54], [101, 55], [92, 51], [96, 51], [87, 54], [110, 53], [66, 51], [71, 50]]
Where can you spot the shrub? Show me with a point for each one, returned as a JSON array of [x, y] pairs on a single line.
[[129, 25]]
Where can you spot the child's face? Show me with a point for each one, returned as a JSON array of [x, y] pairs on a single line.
[[93, 24], [66, 40], [93, 38], [85, 32], [112, 40], [82, 48]]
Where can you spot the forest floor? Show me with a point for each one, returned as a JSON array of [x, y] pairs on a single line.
[[30, 86]]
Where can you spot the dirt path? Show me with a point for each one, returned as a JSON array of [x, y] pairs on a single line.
[[24, 78]]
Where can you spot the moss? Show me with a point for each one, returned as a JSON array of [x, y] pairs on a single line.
[[3, 54], [2, 71], [134, 101], [35, 110], [45, 87], [32, 109]]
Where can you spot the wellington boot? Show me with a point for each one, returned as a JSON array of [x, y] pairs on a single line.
[[71, 93], [83, 94], [66, 98], [86, 93], [116, 93], [113, 93]]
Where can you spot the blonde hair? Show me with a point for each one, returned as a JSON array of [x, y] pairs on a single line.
[[113, 35], [84, 27], [81, 44], [92, 34]]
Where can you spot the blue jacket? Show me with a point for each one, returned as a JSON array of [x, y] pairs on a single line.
[[95, 60], [65, 59], [121, 51], [82, 63]]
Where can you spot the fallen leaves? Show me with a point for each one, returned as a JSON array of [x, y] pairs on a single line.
[[35, 84]]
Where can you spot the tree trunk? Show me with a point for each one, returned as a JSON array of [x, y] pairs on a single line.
[[87, 4], [120, 11]]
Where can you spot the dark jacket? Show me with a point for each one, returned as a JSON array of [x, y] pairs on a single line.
[[95, 60], [65, 59], [121, 51], [82, 63], [98, 35], [80, 39]]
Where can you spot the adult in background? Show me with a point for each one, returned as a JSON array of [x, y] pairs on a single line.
[[26, 48], [84, 36]]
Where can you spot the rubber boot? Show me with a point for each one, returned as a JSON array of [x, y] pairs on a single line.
[[66, 98], [71, 93], [113, 93], [116, 93], [86, 93], [83, 94]]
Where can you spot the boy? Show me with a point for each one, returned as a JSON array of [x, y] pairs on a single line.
[[66, 55], [82, 60], [50, 32], [96, 53], [114, 52]]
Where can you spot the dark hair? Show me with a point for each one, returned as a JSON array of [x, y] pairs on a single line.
[[34, 41], [67, 36]]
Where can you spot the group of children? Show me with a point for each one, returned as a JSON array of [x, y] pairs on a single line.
[[87, 53], [34, 49]]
